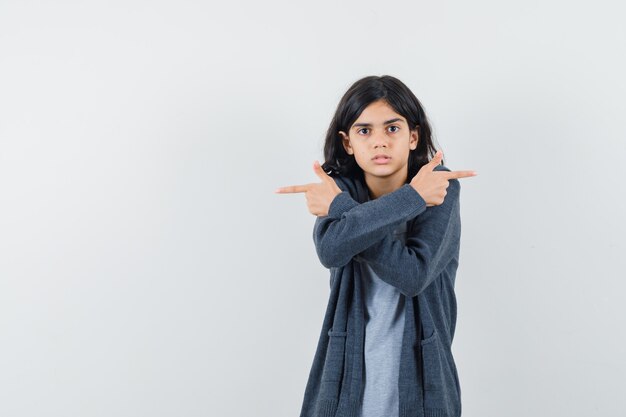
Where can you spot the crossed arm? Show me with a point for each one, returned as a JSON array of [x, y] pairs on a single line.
[[363, 232]]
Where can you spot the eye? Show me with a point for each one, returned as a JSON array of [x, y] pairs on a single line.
[[365, 128], [397, 127]]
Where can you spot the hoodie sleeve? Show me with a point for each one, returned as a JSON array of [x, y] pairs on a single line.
[[412, 266], [351, 227]]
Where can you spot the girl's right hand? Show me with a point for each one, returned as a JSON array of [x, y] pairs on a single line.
[[318, 195], [431, 185]]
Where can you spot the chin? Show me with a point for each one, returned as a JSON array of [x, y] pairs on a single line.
[[382, 171]]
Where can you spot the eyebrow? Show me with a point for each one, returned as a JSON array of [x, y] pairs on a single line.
[[397, 119]]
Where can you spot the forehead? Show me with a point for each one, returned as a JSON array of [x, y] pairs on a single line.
[[377, 113]]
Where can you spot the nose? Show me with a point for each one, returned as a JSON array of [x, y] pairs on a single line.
[[380, 140]]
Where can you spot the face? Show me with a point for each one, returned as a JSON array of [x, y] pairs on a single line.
[[380, 130]]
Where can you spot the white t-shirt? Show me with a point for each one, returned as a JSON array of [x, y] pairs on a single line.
[[384, 329]]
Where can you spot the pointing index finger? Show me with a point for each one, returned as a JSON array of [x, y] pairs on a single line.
[[460, 174], [293, 189]]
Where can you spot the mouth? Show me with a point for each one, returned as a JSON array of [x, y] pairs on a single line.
[[381, 159]]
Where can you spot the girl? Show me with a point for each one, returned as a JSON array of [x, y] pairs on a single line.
[[388, 228]]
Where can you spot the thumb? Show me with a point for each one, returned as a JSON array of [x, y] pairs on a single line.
[[436, 160], [317, 168]]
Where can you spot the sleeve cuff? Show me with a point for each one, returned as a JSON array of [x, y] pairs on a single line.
[[340, 204], [417, 196]]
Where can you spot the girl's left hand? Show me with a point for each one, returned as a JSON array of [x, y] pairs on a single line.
[[318, 195]]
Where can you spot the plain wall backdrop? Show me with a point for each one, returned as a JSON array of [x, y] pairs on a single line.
[[148, 269]]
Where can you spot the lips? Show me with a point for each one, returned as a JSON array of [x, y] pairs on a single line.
[[381, 159]]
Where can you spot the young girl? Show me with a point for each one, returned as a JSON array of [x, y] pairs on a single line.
[[388, 228]]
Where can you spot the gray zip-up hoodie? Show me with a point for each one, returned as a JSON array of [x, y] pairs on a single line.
[[423, 269]]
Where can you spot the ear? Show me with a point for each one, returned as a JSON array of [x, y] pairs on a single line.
[[413, 139], [345, 141]]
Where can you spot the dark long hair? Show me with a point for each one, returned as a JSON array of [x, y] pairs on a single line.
[[360, 95]]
